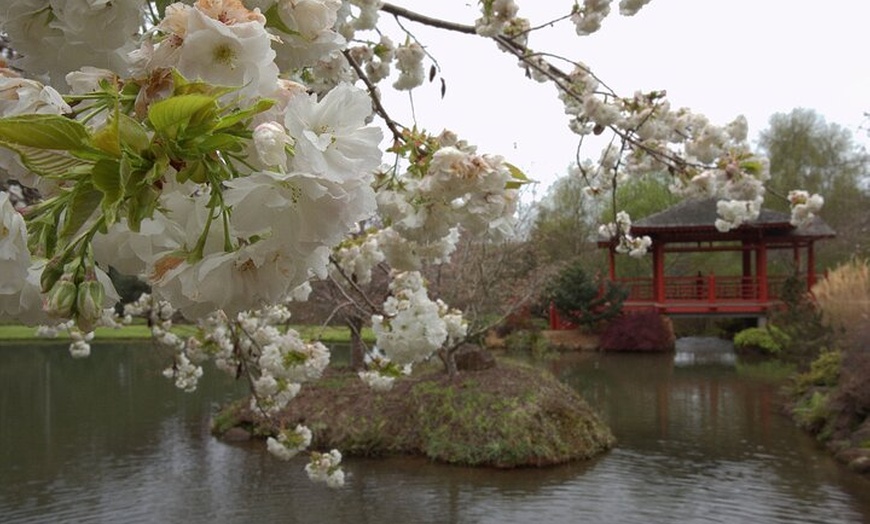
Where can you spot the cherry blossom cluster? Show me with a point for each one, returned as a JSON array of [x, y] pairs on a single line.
[[256, 344], [459, 187], [497, 15], [627, 243], [381, 373], [413, 326], [55, 37], [358, 256], [804, 206], [326, 467], [288, 443], [87, 293]]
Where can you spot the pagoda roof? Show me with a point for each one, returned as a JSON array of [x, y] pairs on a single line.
[[699, 217]]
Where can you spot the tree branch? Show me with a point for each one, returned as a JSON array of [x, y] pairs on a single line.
[[560, 78], [373, 94], [427, 20]]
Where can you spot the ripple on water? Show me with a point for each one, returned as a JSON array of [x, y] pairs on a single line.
[[695, 447]]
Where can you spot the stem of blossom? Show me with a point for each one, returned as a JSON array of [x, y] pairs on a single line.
[[199, 248], [354, 286], [228, 243], [246, 369]]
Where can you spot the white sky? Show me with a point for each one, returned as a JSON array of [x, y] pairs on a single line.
[[721, 58]]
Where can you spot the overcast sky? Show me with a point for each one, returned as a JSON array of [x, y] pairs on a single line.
[[721, 58]]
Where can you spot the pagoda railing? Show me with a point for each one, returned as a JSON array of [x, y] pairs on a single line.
[[704, 288]]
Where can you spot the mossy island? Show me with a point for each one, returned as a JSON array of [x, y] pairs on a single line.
[[507, 416]]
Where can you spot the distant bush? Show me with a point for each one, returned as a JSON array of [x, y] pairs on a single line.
[[769, 339], [812, 413], [824, 372], [802, 320], [638, 331]]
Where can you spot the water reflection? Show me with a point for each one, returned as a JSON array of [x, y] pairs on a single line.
[[108, 439], [699, 351]]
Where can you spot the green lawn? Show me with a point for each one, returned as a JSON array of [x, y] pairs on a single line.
[[329, 334]]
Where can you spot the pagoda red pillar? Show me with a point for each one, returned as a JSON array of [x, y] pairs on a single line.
[[811, 266], [746, 287], [659, 272], [761, 271]]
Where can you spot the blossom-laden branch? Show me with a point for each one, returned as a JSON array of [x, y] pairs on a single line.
[[704, 160], [223, 154]]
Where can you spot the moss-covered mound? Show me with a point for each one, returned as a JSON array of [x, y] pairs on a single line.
[[507, 416]]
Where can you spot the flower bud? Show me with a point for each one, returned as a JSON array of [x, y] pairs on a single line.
[[61, 299], [270, 141], [89, 304], [51, 273]]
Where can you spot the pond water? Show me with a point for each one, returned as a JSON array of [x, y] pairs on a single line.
[[107, 439]]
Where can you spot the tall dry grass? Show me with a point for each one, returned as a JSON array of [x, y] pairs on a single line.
[[844, 299]]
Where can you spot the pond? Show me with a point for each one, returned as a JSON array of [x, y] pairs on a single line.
[[108, 439]]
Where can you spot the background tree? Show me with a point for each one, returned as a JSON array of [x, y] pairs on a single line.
[[640, 198], [584, 300], [565, 224], [809, 153]]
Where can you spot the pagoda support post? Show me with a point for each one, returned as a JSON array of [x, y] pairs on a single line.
[[747, 284], [761, 271], [659, 272], [811, 266]]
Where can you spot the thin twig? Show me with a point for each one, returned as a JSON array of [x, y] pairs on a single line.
[[373, 94]]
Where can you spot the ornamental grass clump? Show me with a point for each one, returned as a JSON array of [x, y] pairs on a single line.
[[844, 299]]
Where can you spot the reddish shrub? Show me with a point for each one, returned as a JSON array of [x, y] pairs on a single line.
[[638, 331]]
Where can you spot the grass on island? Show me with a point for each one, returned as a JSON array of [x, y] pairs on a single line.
[[511, 415], [140, 331]]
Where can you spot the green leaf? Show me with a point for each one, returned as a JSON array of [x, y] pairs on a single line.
[[106, 177], [48, 162], [85, 200], [141, 206], [183, 86], [238, 116], [107, 139], [133, 134], [52, 272], [220, 141], [516, 173], [752, 166], [273, 19], [519, 178], [195, 171], [44, 132], [170, 116]]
